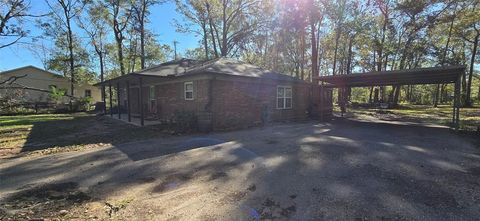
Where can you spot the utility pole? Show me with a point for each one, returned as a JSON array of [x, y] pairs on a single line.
[[175, 48]]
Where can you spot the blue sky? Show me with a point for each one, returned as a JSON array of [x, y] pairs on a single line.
[[161, 23]]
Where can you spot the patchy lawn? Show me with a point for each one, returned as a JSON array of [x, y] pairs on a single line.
[[442, 115], [342, 170], [49, 133]]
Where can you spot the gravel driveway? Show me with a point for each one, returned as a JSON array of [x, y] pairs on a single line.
[[342, 170]]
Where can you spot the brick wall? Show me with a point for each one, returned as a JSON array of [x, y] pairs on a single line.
[[170, 98], [236, 102], [239, 104]]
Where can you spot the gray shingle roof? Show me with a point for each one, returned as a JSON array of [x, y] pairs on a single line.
[[225, 66]]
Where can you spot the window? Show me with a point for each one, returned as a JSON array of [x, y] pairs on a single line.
[[188, 86], [88, 93], [152, 98], [152, 93], [284, 97]]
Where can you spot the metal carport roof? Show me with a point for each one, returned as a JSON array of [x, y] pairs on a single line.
[[435, 75]]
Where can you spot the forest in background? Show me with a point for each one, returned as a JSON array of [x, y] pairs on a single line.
[[94, 40]]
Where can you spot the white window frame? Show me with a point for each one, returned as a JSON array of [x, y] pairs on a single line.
[[185, 91], [152, 100], [89, 91], [284, 97], [150, 89]]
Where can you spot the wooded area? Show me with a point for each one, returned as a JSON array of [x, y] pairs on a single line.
[[100, 39]]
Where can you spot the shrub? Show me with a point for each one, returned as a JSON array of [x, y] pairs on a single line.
[[56, 94], [11, 101], [184, 121], [82, 104]]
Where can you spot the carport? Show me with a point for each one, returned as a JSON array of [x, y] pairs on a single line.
[[434, 75]]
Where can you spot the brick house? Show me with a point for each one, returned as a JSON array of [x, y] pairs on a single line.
[[223, 94]]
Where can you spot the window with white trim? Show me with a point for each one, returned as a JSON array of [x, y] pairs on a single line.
[[284, 97], [188, 87], [152, 93], [88, 93]]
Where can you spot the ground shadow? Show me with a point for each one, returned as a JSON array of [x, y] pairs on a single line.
[[342, 170], [85, 131], [153, 148]]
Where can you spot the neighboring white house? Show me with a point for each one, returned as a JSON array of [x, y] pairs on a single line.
[[33, 77]]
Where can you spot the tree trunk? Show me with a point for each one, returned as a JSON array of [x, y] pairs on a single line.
[[350, 54], [70, 49], [380, 50], [117, 31], [337, 38], [437, 91], [302, 49], [314, 49], [370, 96], [120, 56], [468, 100], [441, 98], [100, 55], [205, 39], [210, 23], [223, 48], [142, 41], [478, 95]]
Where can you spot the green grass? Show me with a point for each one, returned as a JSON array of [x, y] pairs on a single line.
[[442, 115], [59, 132]]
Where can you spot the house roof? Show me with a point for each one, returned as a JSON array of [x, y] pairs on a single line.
[[33, 67], [225, 66], [434, 75], [60, 78]]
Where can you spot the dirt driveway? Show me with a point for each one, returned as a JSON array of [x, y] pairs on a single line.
[[342, 170]]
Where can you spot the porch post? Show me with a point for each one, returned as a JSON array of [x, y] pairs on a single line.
[[118, 101], [321, 103], [140, 102], [454, 104], [104, 100], [128, 102], [110, 99], [457, 112]]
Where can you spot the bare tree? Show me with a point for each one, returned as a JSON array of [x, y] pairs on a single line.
[[70, 10], [140, 12], [12, 14], [195, 13], [315, 20], [95, 28], [471, 35], [231, 23], [119, 14]]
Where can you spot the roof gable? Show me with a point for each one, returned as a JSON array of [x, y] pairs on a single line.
[[31, 67]]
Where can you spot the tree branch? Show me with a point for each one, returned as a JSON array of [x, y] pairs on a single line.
[[12, 79]]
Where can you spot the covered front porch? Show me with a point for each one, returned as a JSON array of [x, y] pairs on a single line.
[[127, 99]]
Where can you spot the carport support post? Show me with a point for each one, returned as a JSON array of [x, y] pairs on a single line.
[[140, 102], [104, 100], [118, 101], [454, 104], [457, 103], [110, 99], [321, 103], [128, 102]]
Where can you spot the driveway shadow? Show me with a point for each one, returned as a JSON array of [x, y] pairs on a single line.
[[156, 148]]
